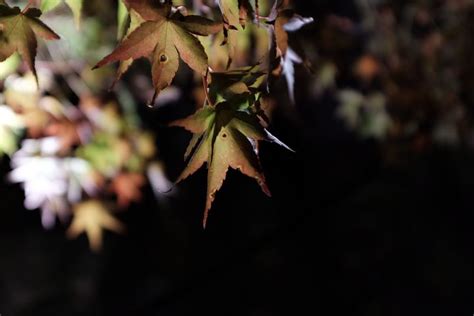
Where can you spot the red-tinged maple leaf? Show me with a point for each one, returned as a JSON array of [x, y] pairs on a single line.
[[224, 136], [127, 187], [18, 31], [164, 34]]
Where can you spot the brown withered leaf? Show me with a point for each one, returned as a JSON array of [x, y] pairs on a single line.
[[164, 34], [224, 136], [18, 31]]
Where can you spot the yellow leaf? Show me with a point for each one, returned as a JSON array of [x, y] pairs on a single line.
[[92, 217]]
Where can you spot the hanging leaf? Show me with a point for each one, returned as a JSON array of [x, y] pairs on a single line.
[[224, 136], [135, 21], [18, 31], [92, 217], [163, 36], [231, 16], [284, 21]]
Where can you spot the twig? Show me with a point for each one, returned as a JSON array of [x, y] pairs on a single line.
[[28, 5], [206, 92]]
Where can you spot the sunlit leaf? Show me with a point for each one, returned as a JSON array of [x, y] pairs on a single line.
[[18, 32], [162, 37], [224, 137]]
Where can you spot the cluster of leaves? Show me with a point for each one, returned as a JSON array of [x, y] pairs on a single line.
[[114, 154], [83, 161]]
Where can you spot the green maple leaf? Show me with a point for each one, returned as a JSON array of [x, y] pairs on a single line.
[[74, 5], [18, 31], [164, 34], [225, 136]]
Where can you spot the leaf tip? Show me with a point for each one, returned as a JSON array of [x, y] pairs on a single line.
[[206, 215]]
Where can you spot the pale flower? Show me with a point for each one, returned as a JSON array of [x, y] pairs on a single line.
[[50, 183]]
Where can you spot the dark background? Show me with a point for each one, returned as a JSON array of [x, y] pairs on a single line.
[[343, 234]]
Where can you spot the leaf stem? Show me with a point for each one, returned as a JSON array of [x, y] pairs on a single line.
[[206, 92], [257, 13]]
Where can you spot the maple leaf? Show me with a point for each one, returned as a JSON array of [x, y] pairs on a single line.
[[74, 5], [92, 217], [225, 136], [127, 187], [18, 31], [231, 15], [164, 34], [234, 13], [284, 21]]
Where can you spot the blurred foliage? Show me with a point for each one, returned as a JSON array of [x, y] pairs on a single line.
[[401, 73]]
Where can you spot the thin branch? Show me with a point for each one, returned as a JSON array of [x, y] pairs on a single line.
[[206, 92], [28, 5]]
